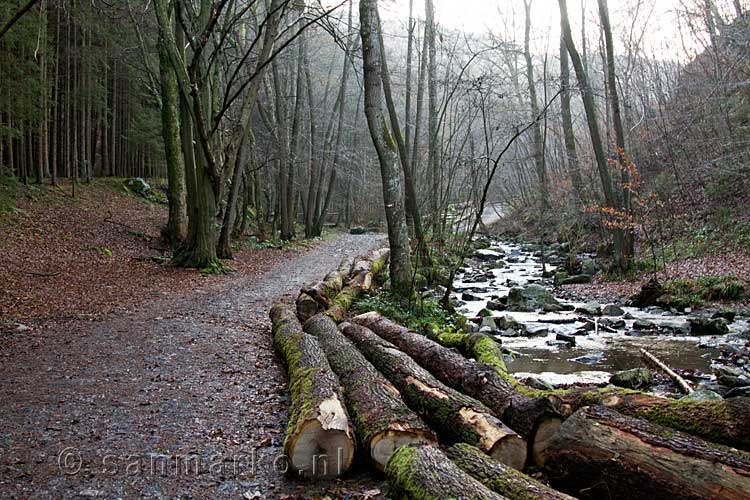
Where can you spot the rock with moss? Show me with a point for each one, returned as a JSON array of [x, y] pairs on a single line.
[[636, 378], [530, 298], [358, 230]]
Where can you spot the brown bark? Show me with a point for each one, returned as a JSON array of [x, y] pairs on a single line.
[[383, 421], [455, 416], [424, 472], [599, 453], [725, 422], [319, 441], [523, 414]]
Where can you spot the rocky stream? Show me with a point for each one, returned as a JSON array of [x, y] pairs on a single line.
[[552, 339]]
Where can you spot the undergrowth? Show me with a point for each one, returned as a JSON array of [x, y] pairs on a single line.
[[422, 315]]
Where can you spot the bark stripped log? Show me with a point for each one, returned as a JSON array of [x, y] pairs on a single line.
[[599, 453], [382, 420], [361, 280], [500, 478], [654, 361], [725, 422], [530, 417], [319, 441], [455, 416], [425, 473]]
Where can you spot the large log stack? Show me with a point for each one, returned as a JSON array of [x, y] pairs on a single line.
[[400, 386], [383, 421], [454, 415], [526, 415], [319, 442]]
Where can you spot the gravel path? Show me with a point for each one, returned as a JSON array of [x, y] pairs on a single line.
[[180, 399]]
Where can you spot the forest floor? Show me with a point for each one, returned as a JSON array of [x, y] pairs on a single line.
[[124, 378]]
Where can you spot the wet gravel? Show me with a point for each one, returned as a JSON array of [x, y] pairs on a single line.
[[181, 398]]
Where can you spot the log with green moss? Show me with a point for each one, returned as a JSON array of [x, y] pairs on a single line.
[[599, 453], [319, 441], [324, 291], [526, 415], [425, 473], [455, 416], [499, 477], [360, 281], [381, 419], [725, 421]]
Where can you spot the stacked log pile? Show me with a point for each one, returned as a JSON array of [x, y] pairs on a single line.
[[410, 396]]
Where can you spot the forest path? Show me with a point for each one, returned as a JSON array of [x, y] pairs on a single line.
[[181, 398]]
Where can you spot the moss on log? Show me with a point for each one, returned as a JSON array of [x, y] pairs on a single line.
[[525, 415], [455, 416], [599, 453], [324, 291], [381, 419], [500, 478], [360, 281], [319, 441], [725, 422], [425, 473]]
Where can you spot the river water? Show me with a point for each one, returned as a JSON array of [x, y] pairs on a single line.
[[597, 354]]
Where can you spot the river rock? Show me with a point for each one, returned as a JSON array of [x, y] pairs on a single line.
[[637, 378], [488, 322], [592, 309], [702, 395], [564, 337], [537, 331], [731, 381], [469, 297], [613, 323], [530, 298], [558, 343], [738, 392], [488, 255], [589, 266], [589, 359], [539, 384], [578, 279], [495, 305], [612, 310], [708, 326], [727, 314]]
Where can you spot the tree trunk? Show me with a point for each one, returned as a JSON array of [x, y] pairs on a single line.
[[383, 421], [319, 441], [425, 473], [598, 453], [500, 478], [398, 236], [455, 416], [170, 123], [527, 416], [569, 137]]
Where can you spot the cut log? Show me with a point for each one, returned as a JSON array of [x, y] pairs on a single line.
[[324, 291], [725, 422], [500, 478], [599, 453], [360, 281], [425, 473], [307, 307], [382, 420], [455, 416], [654, 361], [526, 415], [319, 441]]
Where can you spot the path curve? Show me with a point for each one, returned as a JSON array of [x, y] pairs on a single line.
[[182, 398]]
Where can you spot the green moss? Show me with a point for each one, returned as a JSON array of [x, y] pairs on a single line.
[[388, 138], [400, 473]]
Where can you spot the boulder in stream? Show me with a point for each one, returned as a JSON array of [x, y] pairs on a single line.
[[738, 392], [592, 309], [530, 298], [708, 326], [636, 378], [488, 255], [612, 310], [589, 359], [578, 279], [702, 394]]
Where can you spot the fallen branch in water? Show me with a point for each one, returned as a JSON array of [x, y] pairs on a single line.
[[681, 382]]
